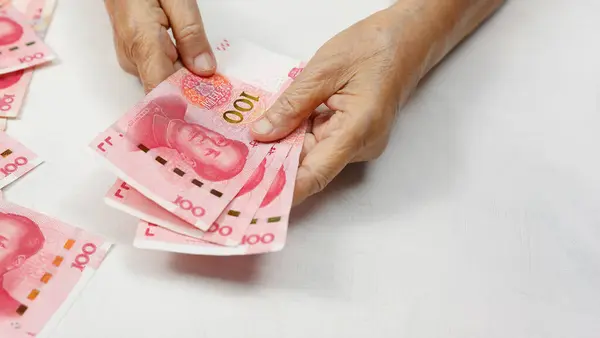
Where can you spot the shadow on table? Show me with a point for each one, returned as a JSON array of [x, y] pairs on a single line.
[[347, 181], [237, 269]]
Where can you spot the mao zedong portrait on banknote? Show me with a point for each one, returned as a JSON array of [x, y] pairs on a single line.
[[20, 239], [10, 31], [211, 155]]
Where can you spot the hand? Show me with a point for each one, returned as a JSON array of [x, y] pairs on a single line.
[[363, 75], [360, 77], [144, 47]]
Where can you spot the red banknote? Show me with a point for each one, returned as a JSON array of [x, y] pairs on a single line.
[[266, 233], [20, 46], [16, 160], [231, 225], [123, 197], [187, 145], [13, 86], [44, 264]]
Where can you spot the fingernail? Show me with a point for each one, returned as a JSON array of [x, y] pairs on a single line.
[[262, 126], [204, 62]]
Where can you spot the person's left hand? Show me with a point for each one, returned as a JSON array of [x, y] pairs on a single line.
[[361, 75]]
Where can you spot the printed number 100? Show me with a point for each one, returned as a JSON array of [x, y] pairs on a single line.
[[12, 167], [241, 105]]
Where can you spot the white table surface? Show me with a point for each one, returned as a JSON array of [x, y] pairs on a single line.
[[480, 220]]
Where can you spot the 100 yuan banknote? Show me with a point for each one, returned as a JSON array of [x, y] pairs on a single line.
[[124, 197], [16, 160], [13, 86], [44, 263], [229, 228], [20, 46], [187, 145], [260, 190], [267, 233]]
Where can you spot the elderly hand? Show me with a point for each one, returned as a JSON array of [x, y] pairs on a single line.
[[144, 47], [362, 75]]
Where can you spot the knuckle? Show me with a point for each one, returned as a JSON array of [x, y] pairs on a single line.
[[372, 150], [311, 181], [138, 48], [190, 34], [124, 61], [126, 65], [287, 109], [320, 181]]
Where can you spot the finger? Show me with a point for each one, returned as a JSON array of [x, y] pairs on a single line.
[[178, 65], [309, 144], [148, 52], [120, 46], [190, 36], [311, 88], [123, 59], [322, 164]]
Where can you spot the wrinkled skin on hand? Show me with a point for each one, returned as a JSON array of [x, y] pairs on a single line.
[[363, 75], [144, 47]]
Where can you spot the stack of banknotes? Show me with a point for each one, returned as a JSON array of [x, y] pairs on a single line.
[[44, 262], [23, 25], [188, 167]]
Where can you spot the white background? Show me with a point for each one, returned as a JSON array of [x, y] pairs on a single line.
[[481, 219]]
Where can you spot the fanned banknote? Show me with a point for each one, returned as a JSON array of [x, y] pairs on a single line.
[[123, 197], [13, 86], [16, 160], [237, 216], [267, 232], [20, 46], [260, 190], [44, 264], [187, 145]]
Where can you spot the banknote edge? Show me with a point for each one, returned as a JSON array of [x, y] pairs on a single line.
[[188, 249], [139, 187], [65, 307], [50, 58], [13, 178], [135, 213]]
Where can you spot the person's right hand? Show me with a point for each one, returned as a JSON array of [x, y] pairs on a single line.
[[144, 47]]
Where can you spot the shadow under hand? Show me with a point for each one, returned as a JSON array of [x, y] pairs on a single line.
[[352, 176]]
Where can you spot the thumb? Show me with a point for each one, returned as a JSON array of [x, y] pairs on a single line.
[[188, 30], [305, 94]]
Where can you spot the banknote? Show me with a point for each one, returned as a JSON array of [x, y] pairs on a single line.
[[187, 145], [153, 237], [2, 123], [123, 197], [260, 190], [15, 160], [13, 86], [38, 12], [20, 47], [44, 263], [267, 232], [231, 224]]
